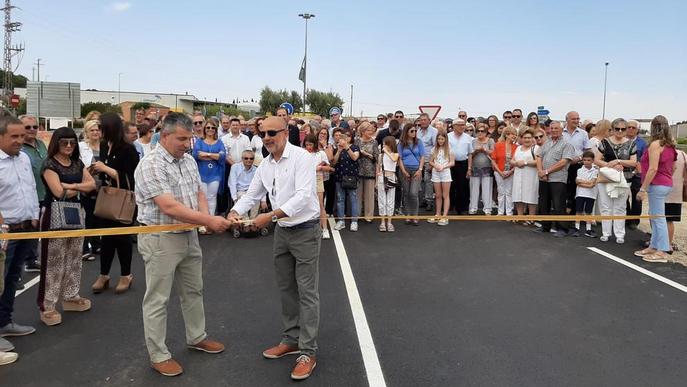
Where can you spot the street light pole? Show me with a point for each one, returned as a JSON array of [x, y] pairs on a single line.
[[119, 88], [603, 113], [305, 16]]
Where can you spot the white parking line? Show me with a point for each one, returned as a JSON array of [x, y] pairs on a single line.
[[28, 285], [375, 377], [640, 269]]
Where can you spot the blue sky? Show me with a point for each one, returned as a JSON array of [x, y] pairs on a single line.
[[482, 56]]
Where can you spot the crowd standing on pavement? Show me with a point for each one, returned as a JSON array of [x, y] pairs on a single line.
[[362, 169]]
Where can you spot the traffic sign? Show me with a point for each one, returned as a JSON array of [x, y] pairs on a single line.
[[14, 100], [288, 107], [543, 112], [431, 110]]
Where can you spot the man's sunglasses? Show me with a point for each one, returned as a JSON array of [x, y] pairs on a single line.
[[398, 116], [270, 133], [197, 122], [29, 127], [517, 116], [462, 116], [249, 158], [538, 137], [507, 117]]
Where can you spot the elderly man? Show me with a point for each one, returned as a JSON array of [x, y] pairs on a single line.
[[288, 175], [461, 146], [19, 211], [37, 152], [579, 139], [428, 135], [240, 179], [552, 167], [168, 190], [634, 207]]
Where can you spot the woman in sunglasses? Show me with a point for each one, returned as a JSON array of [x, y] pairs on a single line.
[[480, 171], [66, 177], [210, 154], [346, 178], [411, 162], [620, 153]]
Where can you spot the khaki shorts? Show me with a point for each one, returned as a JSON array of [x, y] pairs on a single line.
[[320, 184]]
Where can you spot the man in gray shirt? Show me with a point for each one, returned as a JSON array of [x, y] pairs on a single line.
[[552, 167]]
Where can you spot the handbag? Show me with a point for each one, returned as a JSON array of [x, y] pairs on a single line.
[[66, 215], [349, 182], [388, 183], [684, 178], [115, 203]]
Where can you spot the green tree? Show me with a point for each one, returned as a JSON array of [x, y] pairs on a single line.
[[18, 80], [102, 107], [271, 99], [213, 110], [320, 102], [140, 105]]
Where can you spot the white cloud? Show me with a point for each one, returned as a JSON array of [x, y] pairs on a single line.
[[119, 6]]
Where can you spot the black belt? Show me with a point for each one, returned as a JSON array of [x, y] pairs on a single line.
[[21, 226], [302, 226]]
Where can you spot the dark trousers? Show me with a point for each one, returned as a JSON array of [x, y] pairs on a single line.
[[460, 187], [635, 206], [552, 201], [122, 245], [17, 251], [572, 187], [90, 244], [224, 202], [329, 195]]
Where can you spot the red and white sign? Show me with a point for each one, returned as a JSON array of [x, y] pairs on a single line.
[[431, 110], [14, 100]]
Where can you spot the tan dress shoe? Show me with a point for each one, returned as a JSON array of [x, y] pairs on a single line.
[[208, 346], [78, 304], [100, 284], [169, 367], [280, 350]]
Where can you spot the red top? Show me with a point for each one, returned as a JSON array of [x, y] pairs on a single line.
[[499, 154]]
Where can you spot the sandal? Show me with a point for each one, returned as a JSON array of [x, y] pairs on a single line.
[[645, 252], [78, 304], [382, 227], [390, 228], [51, 317], [655, 258]]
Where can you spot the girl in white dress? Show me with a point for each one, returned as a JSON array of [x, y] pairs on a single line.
[[525, 179], [441, 161]]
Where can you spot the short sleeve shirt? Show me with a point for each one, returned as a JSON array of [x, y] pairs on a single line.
[[587, 174], [551, 153], [73, 174], [346, 166], [160, 173]]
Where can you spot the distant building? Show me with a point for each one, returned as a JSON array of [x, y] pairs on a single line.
[[53, 99], [175, 102]]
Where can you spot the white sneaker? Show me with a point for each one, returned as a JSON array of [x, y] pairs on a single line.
[[8, 357], [354, 226], [604, 239], [619, 241], [442, 222], [553, 230], [431, 220], [340, 225], [325, 234]]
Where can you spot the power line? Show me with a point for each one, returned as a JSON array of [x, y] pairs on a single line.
[[9, 50]]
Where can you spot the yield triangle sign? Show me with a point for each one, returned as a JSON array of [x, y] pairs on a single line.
[[431, 110]]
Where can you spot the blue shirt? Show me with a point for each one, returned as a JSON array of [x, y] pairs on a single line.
[[411, 155], [155, 139], [211, 170], [641, 147], [240, 178], [461, 146], [139, 149], [429, 138]]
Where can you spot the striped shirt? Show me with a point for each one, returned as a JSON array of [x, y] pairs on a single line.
[[551, 153], [160, 173]]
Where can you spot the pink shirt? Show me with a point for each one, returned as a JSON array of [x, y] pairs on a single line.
[[664, 173]]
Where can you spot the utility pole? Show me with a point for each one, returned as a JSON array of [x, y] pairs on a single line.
[[603, 113], [306, 16], [9, 50], [38, 69]]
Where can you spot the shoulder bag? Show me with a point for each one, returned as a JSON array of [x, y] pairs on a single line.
[[116, 204], [66, 215]]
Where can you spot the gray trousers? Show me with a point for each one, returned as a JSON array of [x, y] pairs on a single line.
[[427, 185], [171, 259], [296, 261]]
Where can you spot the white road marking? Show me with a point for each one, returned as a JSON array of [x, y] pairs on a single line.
[[375, 377], [28, 285], [640, 269]]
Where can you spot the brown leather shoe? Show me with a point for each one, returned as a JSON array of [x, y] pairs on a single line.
[[124, 284], [304, 367], [78, 304], [100, 284], [169, 367], [281, 350], [208, 346]]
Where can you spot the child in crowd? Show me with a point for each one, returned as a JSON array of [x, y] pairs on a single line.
[[441, 161], [321, 162], [386, 168], [586, 192]]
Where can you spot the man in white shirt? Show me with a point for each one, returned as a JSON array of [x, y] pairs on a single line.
[[287, 174], [19, 213], [461, 146], [579, 139], [235, 143]]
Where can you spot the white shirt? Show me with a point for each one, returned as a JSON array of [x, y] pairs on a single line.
[[18, 196], [256, 144], [587, 174], [290, 183], [461, 146], [85, 153], [235, 145]]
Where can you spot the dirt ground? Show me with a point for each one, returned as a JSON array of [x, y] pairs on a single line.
[[680, 238]]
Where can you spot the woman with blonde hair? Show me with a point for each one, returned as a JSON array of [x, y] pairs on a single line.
[[502, 163], [601, 130], [657, 182], [441, 161], [369, 152]]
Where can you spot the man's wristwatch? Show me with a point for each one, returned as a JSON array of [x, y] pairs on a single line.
[[274, 218], [642, 190]]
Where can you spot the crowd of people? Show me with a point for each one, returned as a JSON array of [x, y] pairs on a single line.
[[364, 169]]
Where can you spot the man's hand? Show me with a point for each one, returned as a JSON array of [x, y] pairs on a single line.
[[262, 220], [234, 217], [218, 224]]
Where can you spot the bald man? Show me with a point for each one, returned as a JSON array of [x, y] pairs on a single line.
[[579, 139], [288, 176]]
